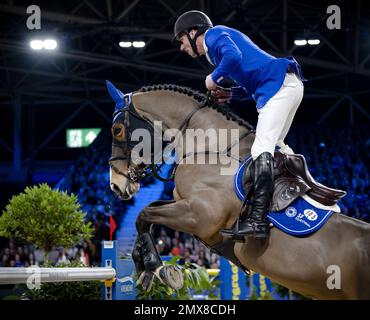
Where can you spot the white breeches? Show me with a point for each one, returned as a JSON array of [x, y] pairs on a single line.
[[276, 117]]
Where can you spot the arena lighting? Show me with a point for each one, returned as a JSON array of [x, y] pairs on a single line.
[[313, 42], [300, 42], [138, 44], [36, 44], [303, 42], [125, 44], [307, 38], [50, 44]]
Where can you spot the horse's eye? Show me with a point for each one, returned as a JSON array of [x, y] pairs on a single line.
[[117, 131]]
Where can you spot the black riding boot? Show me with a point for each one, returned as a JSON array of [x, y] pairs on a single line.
[[256, 224]]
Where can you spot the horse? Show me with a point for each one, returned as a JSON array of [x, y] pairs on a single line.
[[204, 202]]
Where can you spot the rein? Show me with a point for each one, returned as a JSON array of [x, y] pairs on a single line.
[[135, 174]]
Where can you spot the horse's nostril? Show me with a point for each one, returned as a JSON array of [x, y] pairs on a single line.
[[114, 188]]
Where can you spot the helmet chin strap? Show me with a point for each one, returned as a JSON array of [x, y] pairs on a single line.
[[193, 41], [193, 45]]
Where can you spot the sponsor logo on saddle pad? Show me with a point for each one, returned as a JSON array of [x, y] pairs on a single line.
[[310, 214], [300, 218], [291, 212]]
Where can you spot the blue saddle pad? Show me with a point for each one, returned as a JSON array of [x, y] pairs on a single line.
[[299, 219]]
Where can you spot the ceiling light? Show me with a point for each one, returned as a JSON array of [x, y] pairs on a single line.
[[50, 44], [36, 44], [125, 44], [138, 44], [313, 42], [300, 42]]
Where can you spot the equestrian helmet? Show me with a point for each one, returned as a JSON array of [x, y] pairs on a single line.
[[190, 20]]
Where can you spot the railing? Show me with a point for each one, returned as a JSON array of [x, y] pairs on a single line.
[[22, 275]]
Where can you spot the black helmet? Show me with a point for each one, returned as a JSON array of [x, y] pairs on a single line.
[[191, 19]]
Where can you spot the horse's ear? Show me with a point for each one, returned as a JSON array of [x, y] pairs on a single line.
[[117, 96]]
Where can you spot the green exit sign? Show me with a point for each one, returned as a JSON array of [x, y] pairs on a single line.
[[77, 138]]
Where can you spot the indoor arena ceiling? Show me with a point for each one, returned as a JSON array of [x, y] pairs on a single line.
[[88, 33]]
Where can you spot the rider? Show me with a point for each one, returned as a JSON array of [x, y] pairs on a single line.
[[274, 83]]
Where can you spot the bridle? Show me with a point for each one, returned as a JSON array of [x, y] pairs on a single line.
[[129, 113]]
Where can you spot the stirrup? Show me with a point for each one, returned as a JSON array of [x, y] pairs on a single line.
[[233, 232], [255, 233]]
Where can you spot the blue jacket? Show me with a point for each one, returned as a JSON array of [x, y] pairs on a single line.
[[235, 56]]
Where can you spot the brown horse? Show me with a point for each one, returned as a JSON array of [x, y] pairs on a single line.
[[205, 202]]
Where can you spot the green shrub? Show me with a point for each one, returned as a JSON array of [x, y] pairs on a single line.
[[45, 217]]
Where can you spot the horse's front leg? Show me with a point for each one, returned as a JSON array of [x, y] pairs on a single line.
[[147, 260], [137, 257], [146, 246], [145, 255]]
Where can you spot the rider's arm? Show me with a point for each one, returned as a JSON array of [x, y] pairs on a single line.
[[225, 47]]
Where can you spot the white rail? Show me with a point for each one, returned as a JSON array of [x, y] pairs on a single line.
[[22, 275]]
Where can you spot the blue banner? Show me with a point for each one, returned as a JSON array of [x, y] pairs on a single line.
[[233, 284]]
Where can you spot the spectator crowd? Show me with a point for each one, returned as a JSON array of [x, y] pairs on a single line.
[[339, 158], [16, 254]]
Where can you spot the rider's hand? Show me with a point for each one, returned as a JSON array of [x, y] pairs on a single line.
[[210, 84], [220, 95]]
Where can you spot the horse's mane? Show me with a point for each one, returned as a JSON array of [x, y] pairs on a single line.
[[199, 97]]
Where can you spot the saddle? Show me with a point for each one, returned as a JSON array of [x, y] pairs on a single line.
[[292, 180]]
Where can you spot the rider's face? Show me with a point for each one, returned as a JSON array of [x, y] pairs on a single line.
[[186, 46]]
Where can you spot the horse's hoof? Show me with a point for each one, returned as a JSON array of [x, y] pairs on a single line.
[[171, 276], [146, 280]]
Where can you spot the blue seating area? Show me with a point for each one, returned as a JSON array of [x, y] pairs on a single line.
[[338, 158]]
